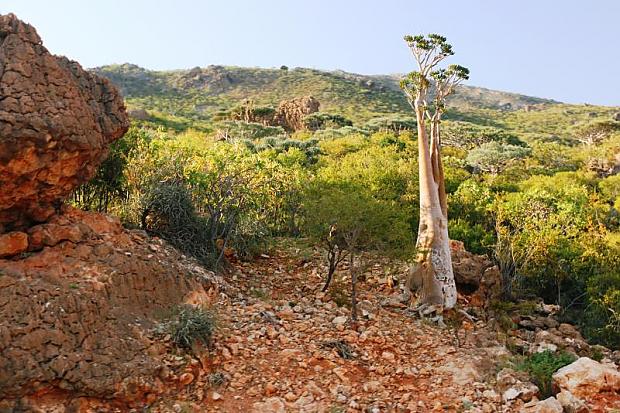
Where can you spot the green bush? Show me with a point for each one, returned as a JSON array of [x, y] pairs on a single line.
[[468, 135], [494, 157], [541, 366], [392, 123], [322, 120], [475, 237], [238, 129], [108, 188]]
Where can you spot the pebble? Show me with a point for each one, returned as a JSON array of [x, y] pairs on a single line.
[[340, 320]]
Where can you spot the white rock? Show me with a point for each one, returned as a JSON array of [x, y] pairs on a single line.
[[570, 403], [550, 405], [340, 320], [271, 405], [586, 377], [387, 355]]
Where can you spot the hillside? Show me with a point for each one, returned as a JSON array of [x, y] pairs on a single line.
[[202, 91], [190, 98]]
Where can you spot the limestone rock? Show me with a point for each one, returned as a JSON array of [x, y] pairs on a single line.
[[570, 403], [76, 315], [340, 320], [56, 123], [550, 405], [586, 377], [475, 274], [515, 385]]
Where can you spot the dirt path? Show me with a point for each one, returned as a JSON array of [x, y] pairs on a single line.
[[281, 344]]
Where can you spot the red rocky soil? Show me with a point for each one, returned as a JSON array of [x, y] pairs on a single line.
[[273, 356]]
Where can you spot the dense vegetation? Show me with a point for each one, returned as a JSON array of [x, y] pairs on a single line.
[[525, 186]]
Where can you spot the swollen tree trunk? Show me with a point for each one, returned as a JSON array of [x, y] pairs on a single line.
[[432, 273]]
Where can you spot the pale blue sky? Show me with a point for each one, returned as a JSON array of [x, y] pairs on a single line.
[[567, 50]]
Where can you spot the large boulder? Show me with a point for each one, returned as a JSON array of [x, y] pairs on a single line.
[[585, 378], [56, 123]]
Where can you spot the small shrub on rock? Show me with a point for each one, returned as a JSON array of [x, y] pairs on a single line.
[[541, 366], [192, 325]]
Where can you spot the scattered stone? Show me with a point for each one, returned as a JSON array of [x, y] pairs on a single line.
[[340, 320], [271, 405], [389, 356], [186, 378], [270, 389], [515, 385]]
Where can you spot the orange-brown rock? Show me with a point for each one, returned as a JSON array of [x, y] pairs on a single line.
[[475, 275], [13, 243], [78, 316], [56, 123], [290, 113]]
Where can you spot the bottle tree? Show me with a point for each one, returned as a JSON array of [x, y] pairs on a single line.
[[427, 89]]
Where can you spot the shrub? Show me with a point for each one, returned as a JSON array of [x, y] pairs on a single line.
[[168, 212], [468, 135], [323, 120], [393, 123], [108, 188], [601, 320], [494, 157], [593, 133], [541, 366], [238, 129], [475, 237], [192, 325], [345, 217], [330, 133]]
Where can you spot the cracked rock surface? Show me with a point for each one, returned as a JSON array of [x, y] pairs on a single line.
[[56, 123], [79, 316]]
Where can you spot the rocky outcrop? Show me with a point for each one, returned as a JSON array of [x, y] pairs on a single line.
[[475, 275], [290, 113], [585, 378], [56, 122], [78, 316]]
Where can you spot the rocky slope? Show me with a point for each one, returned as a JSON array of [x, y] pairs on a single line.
[[77, 312]]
